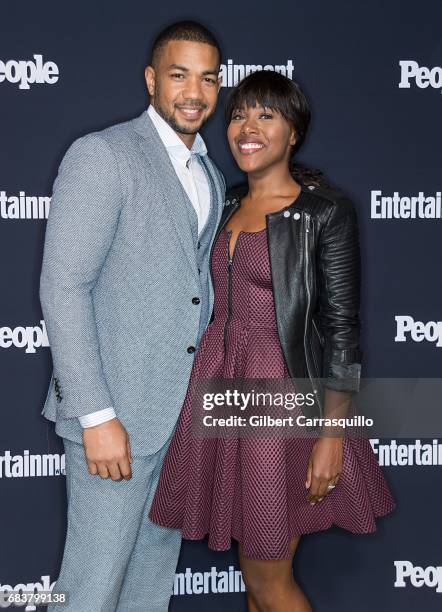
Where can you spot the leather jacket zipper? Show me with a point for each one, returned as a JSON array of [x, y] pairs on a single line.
[[229, 289], [217, 233], [318, 333], [307, 284]]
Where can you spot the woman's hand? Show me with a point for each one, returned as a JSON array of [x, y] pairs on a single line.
[[325, 466]]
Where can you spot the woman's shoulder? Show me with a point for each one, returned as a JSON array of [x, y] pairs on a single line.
[[333, 208], [330, 201], [318, 184], [330, 193]]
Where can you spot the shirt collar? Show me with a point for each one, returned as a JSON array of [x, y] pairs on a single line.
[[173, 143]]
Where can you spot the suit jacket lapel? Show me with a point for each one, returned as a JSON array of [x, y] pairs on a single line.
[[169, 186], [217, 195]]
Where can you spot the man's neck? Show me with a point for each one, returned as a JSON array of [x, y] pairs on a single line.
[[188, 139]]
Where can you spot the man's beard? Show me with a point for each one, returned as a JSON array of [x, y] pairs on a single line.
[[170, 119]]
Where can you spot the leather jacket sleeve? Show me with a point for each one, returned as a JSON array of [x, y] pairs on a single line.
[[338, 267]]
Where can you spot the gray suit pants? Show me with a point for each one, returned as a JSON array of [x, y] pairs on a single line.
[[115, 559]]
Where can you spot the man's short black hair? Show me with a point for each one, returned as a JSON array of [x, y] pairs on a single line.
[[182, 30]]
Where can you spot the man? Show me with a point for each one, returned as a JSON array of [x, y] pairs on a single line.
[[126, 295]]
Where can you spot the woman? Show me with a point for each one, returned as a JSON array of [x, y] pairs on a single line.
[[285, 266]]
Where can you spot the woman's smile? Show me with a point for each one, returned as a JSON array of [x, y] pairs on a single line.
[[249, 146]]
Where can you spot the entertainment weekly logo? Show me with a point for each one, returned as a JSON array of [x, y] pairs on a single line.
[[203, 583], [398, 206], [232, 73], [416, 453], [27, 465], [29, 338], [23, 206], [25, 73], [420, 76], [418, 331]]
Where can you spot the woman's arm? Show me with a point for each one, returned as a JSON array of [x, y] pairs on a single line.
[[339, 302]]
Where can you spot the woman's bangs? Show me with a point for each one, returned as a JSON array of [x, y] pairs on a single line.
[[253, 97]]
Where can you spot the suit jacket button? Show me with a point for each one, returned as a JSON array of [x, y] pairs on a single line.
[[195, 300], [190, 349]]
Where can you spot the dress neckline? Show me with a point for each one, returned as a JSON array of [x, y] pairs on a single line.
[[244, 231]]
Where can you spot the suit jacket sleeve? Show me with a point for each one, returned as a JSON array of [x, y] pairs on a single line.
[[83, 218]]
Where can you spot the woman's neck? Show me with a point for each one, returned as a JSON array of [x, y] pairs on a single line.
[[277, 182]]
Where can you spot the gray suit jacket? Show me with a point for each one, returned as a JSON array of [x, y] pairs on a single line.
[[118, 277]]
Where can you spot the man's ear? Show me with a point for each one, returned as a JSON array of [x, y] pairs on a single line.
[[149, 75], [220, 81]]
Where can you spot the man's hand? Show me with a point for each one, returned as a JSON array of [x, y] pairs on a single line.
[[107, 450]]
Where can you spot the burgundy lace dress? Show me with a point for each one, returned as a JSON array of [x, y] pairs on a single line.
[[253, 489]]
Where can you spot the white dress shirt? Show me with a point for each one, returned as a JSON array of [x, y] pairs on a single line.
[[194, 181]]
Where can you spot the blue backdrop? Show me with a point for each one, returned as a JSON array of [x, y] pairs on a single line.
[[372, 73]]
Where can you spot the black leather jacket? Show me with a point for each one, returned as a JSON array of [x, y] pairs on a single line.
[[315, 267]]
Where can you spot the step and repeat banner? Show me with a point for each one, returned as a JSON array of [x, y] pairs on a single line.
[[372, 72]]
